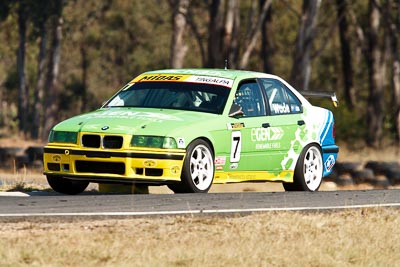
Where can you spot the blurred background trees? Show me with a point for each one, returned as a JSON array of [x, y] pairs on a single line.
[[59, 58]]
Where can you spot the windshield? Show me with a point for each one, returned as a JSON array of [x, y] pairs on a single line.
[[172, 95]]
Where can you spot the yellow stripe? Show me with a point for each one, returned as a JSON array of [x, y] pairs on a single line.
[[160, 78], [231, 177]]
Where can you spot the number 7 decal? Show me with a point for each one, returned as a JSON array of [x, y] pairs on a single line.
[[236, 146]]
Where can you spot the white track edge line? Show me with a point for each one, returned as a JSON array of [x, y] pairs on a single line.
[[179, 212]]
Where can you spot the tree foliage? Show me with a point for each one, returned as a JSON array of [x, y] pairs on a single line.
[[75, 54]]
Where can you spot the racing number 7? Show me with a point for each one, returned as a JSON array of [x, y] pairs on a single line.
[[236, 146]]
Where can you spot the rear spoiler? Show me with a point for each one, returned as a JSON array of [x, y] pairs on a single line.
[[331, 95]]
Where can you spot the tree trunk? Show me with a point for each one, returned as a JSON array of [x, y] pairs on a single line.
[[52, 87], [22, 87], [347, 65], [216, 29], [178, 46], [198, 37], [230, 47], [393, 27], [266, 40], [38, 93], [254, 34], [301, 70], [375, 100], [84, 66], [396, 74], [223, 40], [361, 47]]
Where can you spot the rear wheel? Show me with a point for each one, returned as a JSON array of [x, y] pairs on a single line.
[[198, 169], [66, 186], [308, 172]]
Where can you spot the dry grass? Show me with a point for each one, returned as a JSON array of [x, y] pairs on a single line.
[[368, 237], [361, 153], [26, 178]]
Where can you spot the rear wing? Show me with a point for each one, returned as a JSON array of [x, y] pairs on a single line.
[[331, 95]]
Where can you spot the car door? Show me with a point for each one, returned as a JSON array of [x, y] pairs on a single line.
[[246, 128], [283, 125], [261, 138]]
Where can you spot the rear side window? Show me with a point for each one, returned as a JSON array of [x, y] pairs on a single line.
[[280, 99]]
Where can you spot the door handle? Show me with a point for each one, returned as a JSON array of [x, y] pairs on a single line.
[[300, 122], [266, 125]]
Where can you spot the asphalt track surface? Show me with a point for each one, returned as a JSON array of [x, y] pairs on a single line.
[[86, 205]]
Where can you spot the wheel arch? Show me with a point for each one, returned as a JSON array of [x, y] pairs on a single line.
[[306, 146], [198, 167], [205, 139], [306, 177], [316, 144]]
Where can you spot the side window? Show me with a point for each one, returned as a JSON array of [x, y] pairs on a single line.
[[280, 99], [250, 99], [294, 102]]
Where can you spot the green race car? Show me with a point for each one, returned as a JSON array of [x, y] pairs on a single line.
[[190, 128]]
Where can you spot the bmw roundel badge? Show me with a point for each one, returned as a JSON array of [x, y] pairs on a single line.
[[105, 128]]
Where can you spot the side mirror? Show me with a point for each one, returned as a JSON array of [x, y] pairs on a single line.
[[236, 111]]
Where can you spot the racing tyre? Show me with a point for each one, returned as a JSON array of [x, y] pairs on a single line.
[[198, 168], [308, 172], [66, 186], [177, 188]]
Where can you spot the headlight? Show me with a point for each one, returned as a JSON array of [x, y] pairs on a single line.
[[153, 141], [63, 137]]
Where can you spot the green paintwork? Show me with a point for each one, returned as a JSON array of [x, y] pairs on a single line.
[[273, 148]]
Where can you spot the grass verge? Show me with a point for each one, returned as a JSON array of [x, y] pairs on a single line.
[[364, 237]]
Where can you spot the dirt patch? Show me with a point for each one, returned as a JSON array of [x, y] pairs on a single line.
[[18, 141]]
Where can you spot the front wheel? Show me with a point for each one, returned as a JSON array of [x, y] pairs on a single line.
[[66, 186], [308, 172], [198, 168]]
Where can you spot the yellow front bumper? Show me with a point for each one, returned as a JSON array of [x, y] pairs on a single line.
[[145, 165]]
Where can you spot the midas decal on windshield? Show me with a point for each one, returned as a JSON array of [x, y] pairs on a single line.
[[183, 78], [159, 78]]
